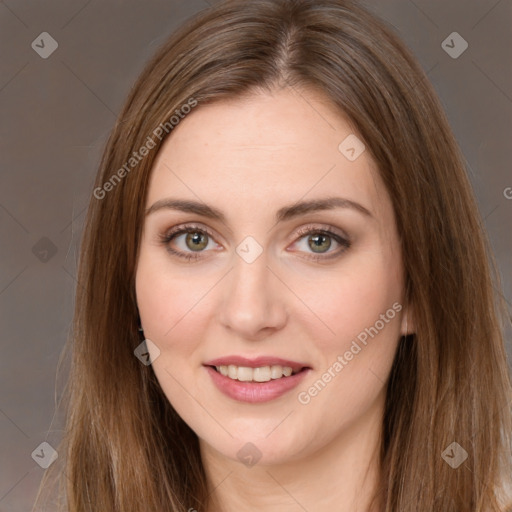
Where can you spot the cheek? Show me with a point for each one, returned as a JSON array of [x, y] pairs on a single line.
[[355, 361], [363, 310], [166, 301], [169, 306], [351, 299]]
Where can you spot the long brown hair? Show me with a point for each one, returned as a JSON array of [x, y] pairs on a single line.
[[125, 448]]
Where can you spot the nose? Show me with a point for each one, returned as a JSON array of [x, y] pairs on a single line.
[[253, 299]]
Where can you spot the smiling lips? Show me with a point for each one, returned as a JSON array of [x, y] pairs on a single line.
[[255, 380], [260, 374]]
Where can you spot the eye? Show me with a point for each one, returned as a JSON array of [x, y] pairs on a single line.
[[319, 241], [196, 239]]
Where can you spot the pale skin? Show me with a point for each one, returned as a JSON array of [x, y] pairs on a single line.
[[248, 158]]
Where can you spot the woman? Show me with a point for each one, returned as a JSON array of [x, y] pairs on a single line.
[[283, 215]]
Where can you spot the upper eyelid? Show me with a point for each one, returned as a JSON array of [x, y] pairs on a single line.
[[181, 229], [324, 227]]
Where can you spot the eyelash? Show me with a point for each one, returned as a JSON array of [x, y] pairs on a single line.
[[166, 238]]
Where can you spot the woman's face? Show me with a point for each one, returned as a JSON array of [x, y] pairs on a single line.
[[272, 281]]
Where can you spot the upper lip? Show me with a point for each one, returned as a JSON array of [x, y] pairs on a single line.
[[256, 362]]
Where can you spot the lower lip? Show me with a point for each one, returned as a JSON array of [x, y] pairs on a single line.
[[255, 392]]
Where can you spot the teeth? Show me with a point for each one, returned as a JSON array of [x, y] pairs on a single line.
[[260, 374]]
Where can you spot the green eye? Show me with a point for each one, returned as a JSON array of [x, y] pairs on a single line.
[[197, 240], [319, 241]]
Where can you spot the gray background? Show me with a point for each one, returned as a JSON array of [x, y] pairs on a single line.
[[56, 114]]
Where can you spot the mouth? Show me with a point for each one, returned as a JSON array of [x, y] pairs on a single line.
[[256, 380], [258, 374]]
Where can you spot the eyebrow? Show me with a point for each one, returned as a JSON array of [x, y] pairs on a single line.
[[283, 214]]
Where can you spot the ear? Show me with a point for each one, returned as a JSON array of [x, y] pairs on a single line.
[[408, 325]]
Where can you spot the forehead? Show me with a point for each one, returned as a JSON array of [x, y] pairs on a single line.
[[277, 147]]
